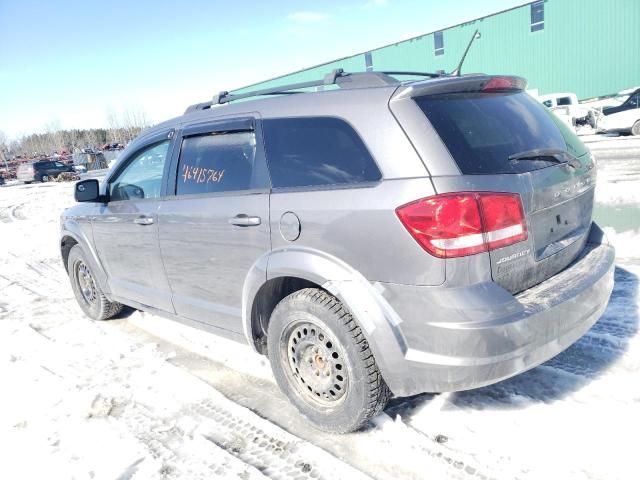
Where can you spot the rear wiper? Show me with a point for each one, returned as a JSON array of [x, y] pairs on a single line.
[[547, 154]]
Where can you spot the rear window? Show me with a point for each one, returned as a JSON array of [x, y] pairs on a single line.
[[307, 152], [481, 130]]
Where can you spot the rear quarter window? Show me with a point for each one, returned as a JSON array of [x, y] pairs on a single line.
[[481, 130], [308, 152]]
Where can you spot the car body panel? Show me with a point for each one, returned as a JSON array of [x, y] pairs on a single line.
[[433, 324], [130, 252], [206, 259]]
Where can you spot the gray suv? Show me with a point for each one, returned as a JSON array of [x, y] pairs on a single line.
[[374, 237]]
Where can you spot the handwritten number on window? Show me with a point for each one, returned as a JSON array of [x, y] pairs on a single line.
[[201, 175]]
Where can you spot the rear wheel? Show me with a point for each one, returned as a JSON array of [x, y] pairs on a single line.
[[86, 290], [635, 130], [323, 363]]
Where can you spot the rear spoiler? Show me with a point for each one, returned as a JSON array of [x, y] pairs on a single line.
[[464, 84]]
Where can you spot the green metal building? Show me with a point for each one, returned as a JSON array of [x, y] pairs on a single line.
[[589, 47]]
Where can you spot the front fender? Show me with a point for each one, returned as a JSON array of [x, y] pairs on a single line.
[[379, 322], [71, 228]]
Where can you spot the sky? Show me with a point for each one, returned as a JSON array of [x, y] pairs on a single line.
[[72, 63]]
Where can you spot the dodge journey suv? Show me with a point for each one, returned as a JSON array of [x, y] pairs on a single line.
[[373, 237]]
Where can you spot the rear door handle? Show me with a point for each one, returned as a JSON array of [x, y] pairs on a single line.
[[244, 220], [143, 220]]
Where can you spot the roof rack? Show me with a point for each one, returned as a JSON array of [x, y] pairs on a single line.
[[336, 77]]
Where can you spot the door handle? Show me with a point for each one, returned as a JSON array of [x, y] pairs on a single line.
[[143, 220], [244, 220]]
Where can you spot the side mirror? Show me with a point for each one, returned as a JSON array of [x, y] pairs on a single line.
[[87, 191]]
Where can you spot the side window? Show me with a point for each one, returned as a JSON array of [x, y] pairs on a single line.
[[438, 43], [303, 152], [59, 165], [537, 16], [216, 162], [548, 103], [634, 100], [564, 101], [142, 177]]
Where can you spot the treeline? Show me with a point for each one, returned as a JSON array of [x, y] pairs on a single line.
[[70, 141], [122, 128]]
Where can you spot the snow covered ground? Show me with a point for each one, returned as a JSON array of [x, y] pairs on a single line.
[[141, 397]]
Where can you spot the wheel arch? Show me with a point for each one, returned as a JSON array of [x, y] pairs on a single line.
[[287, 270], [73, 235]]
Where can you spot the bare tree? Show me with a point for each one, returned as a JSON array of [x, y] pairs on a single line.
[[125, 126], [3, 148], [55, 136], [114, 127]]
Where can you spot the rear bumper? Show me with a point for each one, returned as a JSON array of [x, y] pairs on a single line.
[[485, 335]]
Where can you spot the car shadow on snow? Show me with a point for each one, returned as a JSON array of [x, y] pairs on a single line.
[[591, 356]]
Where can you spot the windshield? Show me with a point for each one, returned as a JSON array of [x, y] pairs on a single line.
[[482, 130]]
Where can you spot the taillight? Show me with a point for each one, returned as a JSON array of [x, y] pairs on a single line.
[[459, 224]]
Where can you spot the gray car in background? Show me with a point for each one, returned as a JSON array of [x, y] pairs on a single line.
[[379, 237]]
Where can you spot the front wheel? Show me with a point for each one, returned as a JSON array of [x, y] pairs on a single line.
[[86, 290], [635, 130], [323, 363], [44, 178]]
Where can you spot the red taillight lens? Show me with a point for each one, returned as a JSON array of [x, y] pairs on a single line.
[[459, 224], [497, 84], [503, 219]]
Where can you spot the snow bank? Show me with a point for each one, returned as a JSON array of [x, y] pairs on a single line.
[[627, 243]]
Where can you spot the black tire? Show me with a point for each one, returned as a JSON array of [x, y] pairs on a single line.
[[635, 130], [87, 291], [343, 387], [44, 178]]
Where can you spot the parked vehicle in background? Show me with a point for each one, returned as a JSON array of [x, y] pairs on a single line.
[[624, 118], [41, 170], [572, 112], [89, 160], [383, 237], [110, 147]]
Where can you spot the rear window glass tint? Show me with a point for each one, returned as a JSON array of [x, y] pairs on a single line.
[[216, 162], [306, 152], [481, 130]]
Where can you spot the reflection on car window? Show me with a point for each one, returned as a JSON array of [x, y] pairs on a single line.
[[142, 177], [481, 130], [216, 162], [304, 152]]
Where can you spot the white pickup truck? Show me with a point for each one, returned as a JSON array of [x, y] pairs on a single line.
[[567, 107]]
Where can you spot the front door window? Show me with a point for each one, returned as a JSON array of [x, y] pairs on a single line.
[[142, 177]]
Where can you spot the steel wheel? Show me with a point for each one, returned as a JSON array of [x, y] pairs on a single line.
[[86, 283], [316, 363]]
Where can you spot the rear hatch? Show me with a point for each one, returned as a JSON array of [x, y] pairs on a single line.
[[503, 140], [25, 172]]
